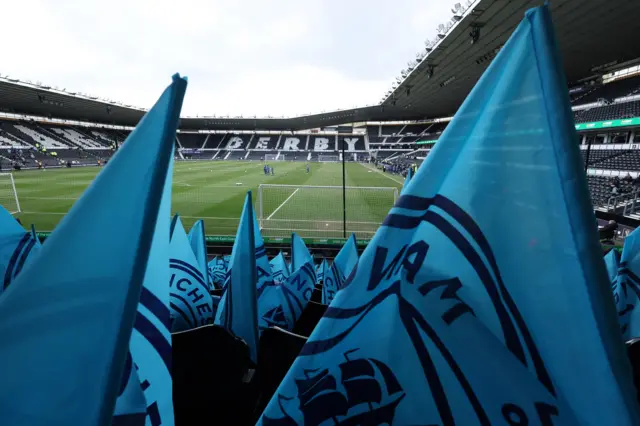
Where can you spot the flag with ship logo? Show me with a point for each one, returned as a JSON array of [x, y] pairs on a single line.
[[459, 314]]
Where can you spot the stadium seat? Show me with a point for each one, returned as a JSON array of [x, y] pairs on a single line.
[[309, 318], [208, 368], [277, 351], [316, 296], [633, 351]]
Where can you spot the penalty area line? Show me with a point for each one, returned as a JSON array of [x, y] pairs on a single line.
[[283, 203]]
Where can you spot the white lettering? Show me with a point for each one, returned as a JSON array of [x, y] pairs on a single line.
[[235, 142], [352, 143], [263, 142], [321, 144], [291, 144]]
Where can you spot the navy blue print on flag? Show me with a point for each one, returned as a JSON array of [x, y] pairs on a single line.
[[191, 304], [450, 294]]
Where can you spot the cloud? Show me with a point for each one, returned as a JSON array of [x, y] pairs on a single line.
[[243, 57]]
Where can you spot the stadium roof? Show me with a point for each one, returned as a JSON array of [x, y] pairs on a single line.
[[595, 36]]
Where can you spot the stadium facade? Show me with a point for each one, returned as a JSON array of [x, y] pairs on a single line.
[[43, 126]]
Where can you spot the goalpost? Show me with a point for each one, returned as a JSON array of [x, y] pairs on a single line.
[[8, 193], [317, 211], [326, 158], [274, 157]]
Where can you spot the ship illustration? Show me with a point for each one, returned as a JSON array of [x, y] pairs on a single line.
[[367, 393], [275, 317]]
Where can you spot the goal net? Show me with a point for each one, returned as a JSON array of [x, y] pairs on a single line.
[[325, 158], [274, 157], [8, 194], [317, 211]]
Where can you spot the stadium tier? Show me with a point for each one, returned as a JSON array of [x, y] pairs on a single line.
[[190, 281]]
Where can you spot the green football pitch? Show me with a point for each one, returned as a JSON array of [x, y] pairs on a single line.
[[215, 191]]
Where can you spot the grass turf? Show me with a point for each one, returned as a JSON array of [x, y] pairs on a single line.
[[208, 190]]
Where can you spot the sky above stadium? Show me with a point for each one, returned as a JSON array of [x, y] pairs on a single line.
[[242, 57]]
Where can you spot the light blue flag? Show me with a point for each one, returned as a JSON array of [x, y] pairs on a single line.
[[238, 309], [626, 286], [407, 180], [347, 258], [217, 269], [17, 247], [330, 283], [297, 290], [263, 268], [273, 309], [279, 268], [459, 314], [271, 303], [190, 302], [320, 271], [66, 321], [150, 343], [300, 255], [131, 405], [199, 246], [612, 262]]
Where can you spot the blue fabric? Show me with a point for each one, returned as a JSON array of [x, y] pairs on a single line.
[[238, 308], [300, 255], [190, 301], [150, 343], [347, 258], [279, 268], [297, 290], [459, 314], [612, 262], [199, 246], [407, 180], [320, 271], [66, 321], [271, 309], [332, 282], [17, 248], [131, 405], [274, 310], [626, 287], [217, 269]]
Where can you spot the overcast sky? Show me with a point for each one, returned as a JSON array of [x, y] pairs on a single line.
[[242, 57]]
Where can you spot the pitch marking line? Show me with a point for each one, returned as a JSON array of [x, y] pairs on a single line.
[[283, 203], [382, 173]]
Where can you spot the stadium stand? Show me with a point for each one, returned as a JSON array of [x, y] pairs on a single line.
[[608, 112], [214, 140], [192, 140], [237, 142], [264, 142], [615, 89]]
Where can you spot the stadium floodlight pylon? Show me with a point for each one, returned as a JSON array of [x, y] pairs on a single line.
[[274, 157], [327, 158], [8, 194], [317, 211]]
